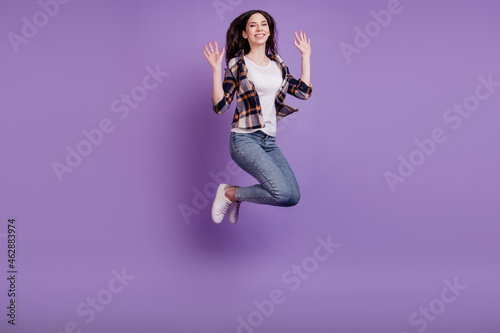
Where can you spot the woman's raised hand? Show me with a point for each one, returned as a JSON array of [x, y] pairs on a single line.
[[214, 58], [302, 43]]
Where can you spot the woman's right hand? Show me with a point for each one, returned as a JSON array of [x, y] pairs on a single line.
[[214, 58]]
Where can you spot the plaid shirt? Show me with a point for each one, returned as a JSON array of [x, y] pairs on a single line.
[[248, 112]]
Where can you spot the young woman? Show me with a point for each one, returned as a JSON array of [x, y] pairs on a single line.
[[260, 79]]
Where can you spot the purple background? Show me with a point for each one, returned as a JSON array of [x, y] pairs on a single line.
[[120, 208]]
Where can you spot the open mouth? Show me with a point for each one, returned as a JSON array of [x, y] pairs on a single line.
[[260, 35]]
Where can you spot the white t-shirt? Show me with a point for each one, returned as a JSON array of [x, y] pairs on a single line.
[[267, 81]]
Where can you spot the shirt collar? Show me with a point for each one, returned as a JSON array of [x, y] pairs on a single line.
[[275, 57]]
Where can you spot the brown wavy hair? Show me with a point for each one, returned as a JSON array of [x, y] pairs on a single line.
[[234, 38]]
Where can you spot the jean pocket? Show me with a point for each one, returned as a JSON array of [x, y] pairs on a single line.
[[241, 139]]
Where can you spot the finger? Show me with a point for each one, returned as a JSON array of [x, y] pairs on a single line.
[[216, 47], [305, 37], [206, 48], [309, 41], [296, 36], [301, 35], [222, 51], [211, 48], [206, 55]]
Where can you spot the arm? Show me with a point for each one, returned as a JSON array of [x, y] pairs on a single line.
[[299, 88], [217, 92], [306, 69], [228, 88], [304, 46], [302, 88], [221, 94]]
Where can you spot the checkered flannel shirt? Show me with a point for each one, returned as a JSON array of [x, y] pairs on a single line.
[[248, 113]]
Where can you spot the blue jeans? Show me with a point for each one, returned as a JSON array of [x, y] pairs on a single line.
[[258, 155]]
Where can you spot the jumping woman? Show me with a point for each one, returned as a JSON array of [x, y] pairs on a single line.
[[260, 79]]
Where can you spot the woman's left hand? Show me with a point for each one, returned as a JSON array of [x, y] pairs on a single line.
[[302, 43]]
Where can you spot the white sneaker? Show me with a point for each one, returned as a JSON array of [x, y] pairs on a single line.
[[221, 203], [233, 212]]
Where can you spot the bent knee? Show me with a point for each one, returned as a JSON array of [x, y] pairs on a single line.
[[293, 200], [287, 197]]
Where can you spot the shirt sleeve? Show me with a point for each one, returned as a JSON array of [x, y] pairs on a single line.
[[229, 86], [299, 89]]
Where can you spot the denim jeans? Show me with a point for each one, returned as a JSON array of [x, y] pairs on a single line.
[[258, 155]]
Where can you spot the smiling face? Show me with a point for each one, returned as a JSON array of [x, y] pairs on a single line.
[[257, 30]]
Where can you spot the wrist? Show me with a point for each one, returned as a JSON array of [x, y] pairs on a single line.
[[306, 55]]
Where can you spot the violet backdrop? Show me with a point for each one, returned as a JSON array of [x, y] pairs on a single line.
[[393, 171]]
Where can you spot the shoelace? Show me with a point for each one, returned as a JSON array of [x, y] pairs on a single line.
[[224, 207], [236, 208]]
